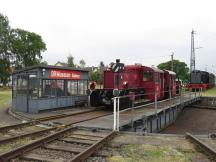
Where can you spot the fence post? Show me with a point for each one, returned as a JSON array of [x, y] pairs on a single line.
[[89, 103], [132, 111], [155, 103], [191, 95], [170, 95], [156, 108], [199, 91], [195, 92], [114, 113], [118, 114]]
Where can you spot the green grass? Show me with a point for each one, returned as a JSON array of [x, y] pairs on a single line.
[[150, 153], [5, 97], [210, 92]]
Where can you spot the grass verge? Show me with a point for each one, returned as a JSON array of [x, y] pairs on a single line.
[[210, 92], [5, 97], [150, 153]]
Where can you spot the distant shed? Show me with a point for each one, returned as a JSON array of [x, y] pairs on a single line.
[[41, 87]]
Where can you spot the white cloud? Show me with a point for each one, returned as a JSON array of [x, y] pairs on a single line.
[[134, 31]]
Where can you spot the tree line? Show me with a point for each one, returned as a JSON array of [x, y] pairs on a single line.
[[95, 74], [18, 48], [180, 68]]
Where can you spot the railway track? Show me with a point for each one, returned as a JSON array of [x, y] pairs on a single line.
[[206, 149], [43, 119], [70, 144], [10, 135]]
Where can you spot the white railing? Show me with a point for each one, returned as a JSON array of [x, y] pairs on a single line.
[[183, 95]]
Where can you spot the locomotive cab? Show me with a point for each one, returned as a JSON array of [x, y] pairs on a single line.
[[153, 82], [169, 83]]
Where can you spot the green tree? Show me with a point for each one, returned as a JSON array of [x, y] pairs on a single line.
[[70, 61], [5, 53], [4, 71], [96, 76], [27, 47], [44, 63], [180, 68], [101, 66], [82, 63]]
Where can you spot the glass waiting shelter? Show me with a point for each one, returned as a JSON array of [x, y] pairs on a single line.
[[41, 87]]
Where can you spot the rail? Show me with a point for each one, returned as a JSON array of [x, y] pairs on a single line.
[[23, 149], [209, 151], [43, 119], [92, 142], [88, 116], [89, 151]]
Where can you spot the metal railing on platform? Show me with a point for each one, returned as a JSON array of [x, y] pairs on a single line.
[[132, 102]]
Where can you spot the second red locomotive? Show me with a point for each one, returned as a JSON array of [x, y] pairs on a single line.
[[134, 79]]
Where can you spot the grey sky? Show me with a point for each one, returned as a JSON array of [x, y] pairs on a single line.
[[145, 31]]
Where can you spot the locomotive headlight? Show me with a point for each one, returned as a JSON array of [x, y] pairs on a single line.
[[116, 92]]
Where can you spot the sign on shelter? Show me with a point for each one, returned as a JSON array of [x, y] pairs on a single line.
[[64, 74]]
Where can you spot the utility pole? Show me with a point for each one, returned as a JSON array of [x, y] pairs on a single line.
[[172, 61], [192, 59]]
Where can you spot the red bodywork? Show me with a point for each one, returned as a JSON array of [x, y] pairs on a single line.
[[192, 86], [136, 77], [170, 83]]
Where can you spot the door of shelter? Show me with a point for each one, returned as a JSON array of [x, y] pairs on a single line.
[[22, 93]]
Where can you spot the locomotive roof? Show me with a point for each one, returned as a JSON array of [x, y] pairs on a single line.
[[199, 71], [170, 72], [157, 70], [140, 67]]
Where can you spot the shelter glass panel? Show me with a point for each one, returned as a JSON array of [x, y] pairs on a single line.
[[60, 88], [82, 87], [33, 86], [72, 86], [49, 88], [22, 85]]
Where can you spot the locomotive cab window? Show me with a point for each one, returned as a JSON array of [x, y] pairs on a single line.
[[147, 76], [157, 78]]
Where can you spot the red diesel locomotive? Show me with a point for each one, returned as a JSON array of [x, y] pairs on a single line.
[[134, 79]]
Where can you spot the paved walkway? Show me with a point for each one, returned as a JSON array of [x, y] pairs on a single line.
[[5, 118]]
